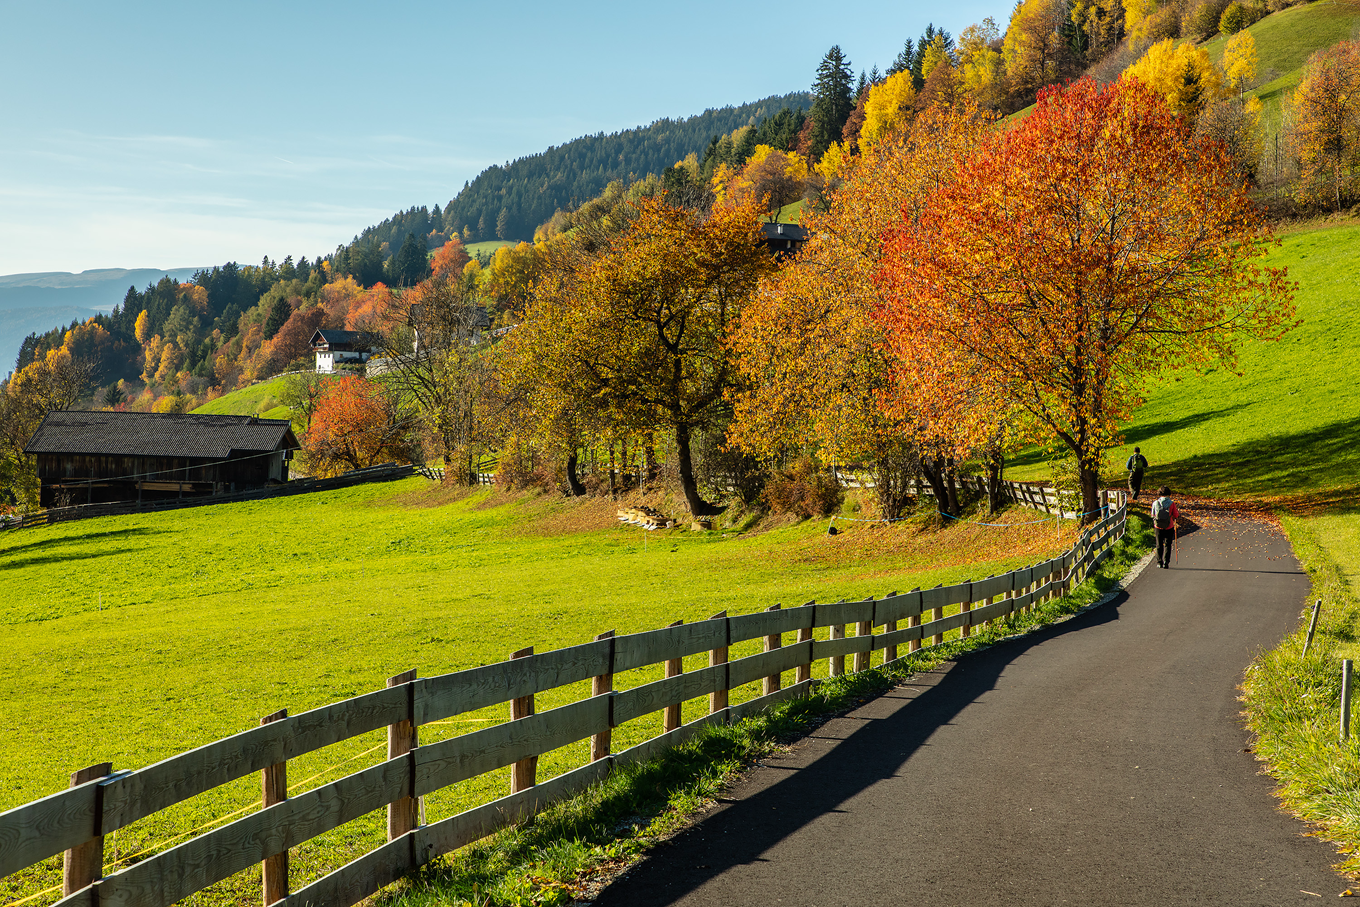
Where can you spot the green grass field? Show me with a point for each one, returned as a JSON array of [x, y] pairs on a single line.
[[1286, 431], [487, 246], [257, 400], [138, 637]]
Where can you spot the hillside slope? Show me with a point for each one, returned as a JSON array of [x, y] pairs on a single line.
[[531, 188], [1284, 42]]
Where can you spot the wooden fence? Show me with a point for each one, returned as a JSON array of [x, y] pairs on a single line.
[[101, 800], [384, 472]]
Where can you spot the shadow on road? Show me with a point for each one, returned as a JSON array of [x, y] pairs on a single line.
[[891, 728]]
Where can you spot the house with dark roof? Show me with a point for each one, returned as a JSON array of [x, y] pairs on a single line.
[[95, 458], [335, 347], [783, 239]]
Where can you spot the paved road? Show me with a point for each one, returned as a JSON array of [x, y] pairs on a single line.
[[1097, 762]]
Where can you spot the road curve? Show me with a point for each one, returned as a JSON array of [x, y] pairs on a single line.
[[1100, 761]]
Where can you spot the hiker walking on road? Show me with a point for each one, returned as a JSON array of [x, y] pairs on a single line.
[[1164, 516], [1135, 465]]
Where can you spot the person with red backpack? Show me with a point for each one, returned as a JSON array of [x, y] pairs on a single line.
[[1164, 516]]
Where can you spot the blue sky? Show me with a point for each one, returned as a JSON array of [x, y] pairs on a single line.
[[180, 134]]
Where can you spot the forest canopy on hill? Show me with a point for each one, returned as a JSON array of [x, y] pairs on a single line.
[[509, 201]]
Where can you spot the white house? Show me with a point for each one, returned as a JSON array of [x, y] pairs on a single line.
[[335, 348]]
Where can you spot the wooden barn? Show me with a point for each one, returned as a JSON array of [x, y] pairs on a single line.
[[96, 458]]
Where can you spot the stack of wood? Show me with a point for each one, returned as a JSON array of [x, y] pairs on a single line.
[[645, 517]]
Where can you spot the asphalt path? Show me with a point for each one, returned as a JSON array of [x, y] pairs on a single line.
[[1098, 761]]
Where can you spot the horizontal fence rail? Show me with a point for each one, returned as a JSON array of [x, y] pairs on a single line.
[[101, 800], [382, 473]]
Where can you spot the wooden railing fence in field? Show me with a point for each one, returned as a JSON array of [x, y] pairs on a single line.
[[101, 800], [381, 473]]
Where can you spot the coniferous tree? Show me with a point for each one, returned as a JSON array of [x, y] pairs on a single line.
[[278, 317], [903, 61], [832, 101]]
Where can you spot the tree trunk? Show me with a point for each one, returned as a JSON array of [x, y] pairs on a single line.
[[1090, 495], [574, 486], [996, 463], [952, 486], [697, 505], [934, 471]]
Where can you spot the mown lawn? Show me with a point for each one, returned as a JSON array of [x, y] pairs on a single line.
[[130, 639]]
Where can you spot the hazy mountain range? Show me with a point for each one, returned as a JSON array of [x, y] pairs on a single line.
[[32, 303]]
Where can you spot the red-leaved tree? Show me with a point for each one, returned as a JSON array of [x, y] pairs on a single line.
[[357, 423], [1074, 257]]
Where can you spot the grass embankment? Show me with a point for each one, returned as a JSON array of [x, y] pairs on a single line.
[[1285, 436], [134, 638], [260, 399]]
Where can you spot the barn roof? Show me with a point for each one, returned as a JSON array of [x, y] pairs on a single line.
[[159, 435]]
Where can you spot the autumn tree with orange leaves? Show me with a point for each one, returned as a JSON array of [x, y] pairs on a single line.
[[358, 423], [816, 369], [1325, 132], [1075, 257]]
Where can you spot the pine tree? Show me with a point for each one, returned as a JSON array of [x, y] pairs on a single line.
[[279, 314], [832, 100], [903, 61]]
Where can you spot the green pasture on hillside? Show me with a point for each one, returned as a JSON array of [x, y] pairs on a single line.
[[1286, 431], [260, 399], [486, 246], [1284, 42], [130, 639]]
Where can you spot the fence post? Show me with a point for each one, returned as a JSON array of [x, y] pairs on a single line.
[[937, 613], [890, 652], [717, 700], [966, 606], [1312, 627], [804, 673], [863, 659], [603, 685], [837, 664], [273, 790], [670, 718], [772, 642], [1345, 698], [402, 814], [83, 865], [524, 773]]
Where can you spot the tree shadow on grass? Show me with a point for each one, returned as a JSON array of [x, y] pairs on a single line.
[[1141, 433], [748, 828], [55, 551], [1309, 471]]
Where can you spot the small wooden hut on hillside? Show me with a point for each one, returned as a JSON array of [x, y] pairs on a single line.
[[100, 457]]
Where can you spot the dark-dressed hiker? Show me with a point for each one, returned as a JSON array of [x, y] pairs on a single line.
[[1136, 465], [1164, 516]]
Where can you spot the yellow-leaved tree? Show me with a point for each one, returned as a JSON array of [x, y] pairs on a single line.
[[1326, 124], [1239, 61], [888, 108], [1182, 74]]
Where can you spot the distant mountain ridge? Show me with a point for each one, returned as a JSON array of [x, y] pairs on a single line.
[[37, 302]]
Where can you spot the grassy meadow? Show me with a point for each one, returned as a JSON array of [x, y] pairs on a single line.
[[1284, 42], [137, 637], [260, 399], [1284, 428]]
